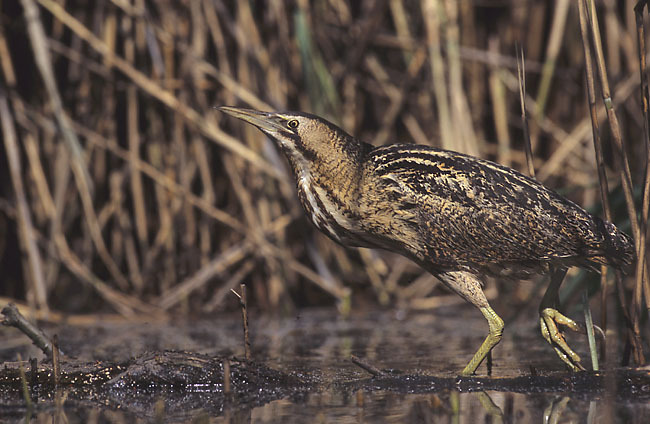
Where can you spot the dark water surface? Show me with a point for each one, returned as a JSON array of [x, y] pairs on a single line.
[[421, 353]]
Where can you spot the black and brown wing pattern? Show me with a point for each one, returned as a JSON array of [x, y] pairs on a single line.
[[476, 214]]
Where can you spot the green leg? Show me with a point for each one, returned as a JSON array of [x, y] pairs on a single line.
[[469, 286], [495, 324], [550, 317]]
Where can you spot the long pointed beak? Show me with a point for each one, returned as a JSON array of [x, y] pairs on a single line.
[[265, 121]]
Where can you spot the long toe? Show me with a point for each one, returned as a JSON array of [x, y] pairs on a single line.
[[559, 318], [548, 324]]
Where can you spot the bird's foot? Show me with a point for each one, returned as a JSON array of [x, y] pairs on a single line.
[[548, 321]]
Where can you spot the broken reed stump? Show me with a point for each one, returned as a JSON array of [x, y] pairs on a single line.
[[13, 318], [366, 366], [226, 376], [33, 370], [56, 365], [243, 302]]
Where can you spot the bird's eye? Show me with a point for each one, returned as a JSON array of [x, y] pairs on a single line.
[[292, 124]]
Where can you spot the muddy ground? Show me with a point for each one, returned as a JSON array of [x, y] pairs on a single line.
[[301, 371]]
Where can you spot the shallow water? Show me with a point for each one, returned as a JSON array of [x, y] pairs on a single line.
[[422, 354]]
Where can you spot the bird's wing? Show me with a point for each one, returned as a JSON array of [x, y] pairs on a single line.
[[477, 213]]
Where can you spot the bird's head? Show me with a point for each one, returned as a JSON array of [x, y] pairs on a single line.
[[305, 139]]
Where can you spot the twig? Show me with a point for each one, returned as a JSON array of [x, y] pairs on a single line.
[[432, 17], [600, 162], [560, 9], [43, 61], [570, 141], [460, 111], [243, 302], [279, 224], [124, 304], [363, 364], [626, 177], [645, 100], [217, 265], [137, 189], [235, 279], [14, 318], [166, 97], [159, 177], [499, 106], [589, 72], [55, 360], [79, 169], [521, 77], [26, 230]]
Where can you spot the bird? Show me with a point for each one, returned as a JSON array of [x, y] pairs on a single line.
[[459, 217]]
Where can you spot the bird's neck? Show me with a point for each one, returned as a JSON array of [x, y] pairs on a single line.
[[329, 188], [337, 170], [336, 174]]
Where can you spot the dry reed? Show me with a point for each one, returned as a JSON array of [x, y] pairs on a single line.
[[129, 192]]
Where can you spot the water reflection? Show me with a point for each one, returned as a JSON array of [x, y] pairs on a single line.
[[377, 407], [317, 345], [450, 407]]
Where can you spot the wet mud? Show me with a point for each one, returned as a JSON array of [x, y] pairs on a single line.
[[190, 382], [302, 370]]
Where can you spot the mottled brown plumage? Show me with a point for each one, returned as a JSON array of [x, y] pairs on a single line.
[[471, 214], [459, 217]]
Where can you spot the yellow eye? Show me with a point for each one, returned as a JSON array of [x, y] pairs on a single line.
[[293, 124]]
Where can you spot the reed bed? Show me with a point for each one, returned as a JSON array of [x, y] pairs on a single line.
[[124, 191]]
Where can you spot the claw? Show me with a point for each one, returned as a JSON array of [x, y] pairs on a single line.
[[549, 318]]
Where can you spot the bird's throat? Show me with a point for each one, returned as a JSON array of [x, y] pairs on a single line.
[[327, 194]]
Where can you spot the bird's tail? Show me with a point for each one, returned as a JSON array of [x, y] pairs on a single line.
[[617, 249]]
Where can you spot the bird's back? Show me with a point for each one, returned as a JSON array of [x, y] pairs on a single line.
[[453, 211]]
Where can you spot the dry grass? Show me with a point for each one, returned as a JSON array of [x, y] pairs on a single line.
[[124, 190]]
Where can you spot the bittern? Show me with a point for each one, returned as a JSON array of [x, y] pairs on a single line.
[[459, 217]]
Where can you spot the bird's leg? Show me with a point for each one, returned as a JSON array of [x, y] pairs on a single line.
[[495, 324], [550, 317], [469, 287]]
